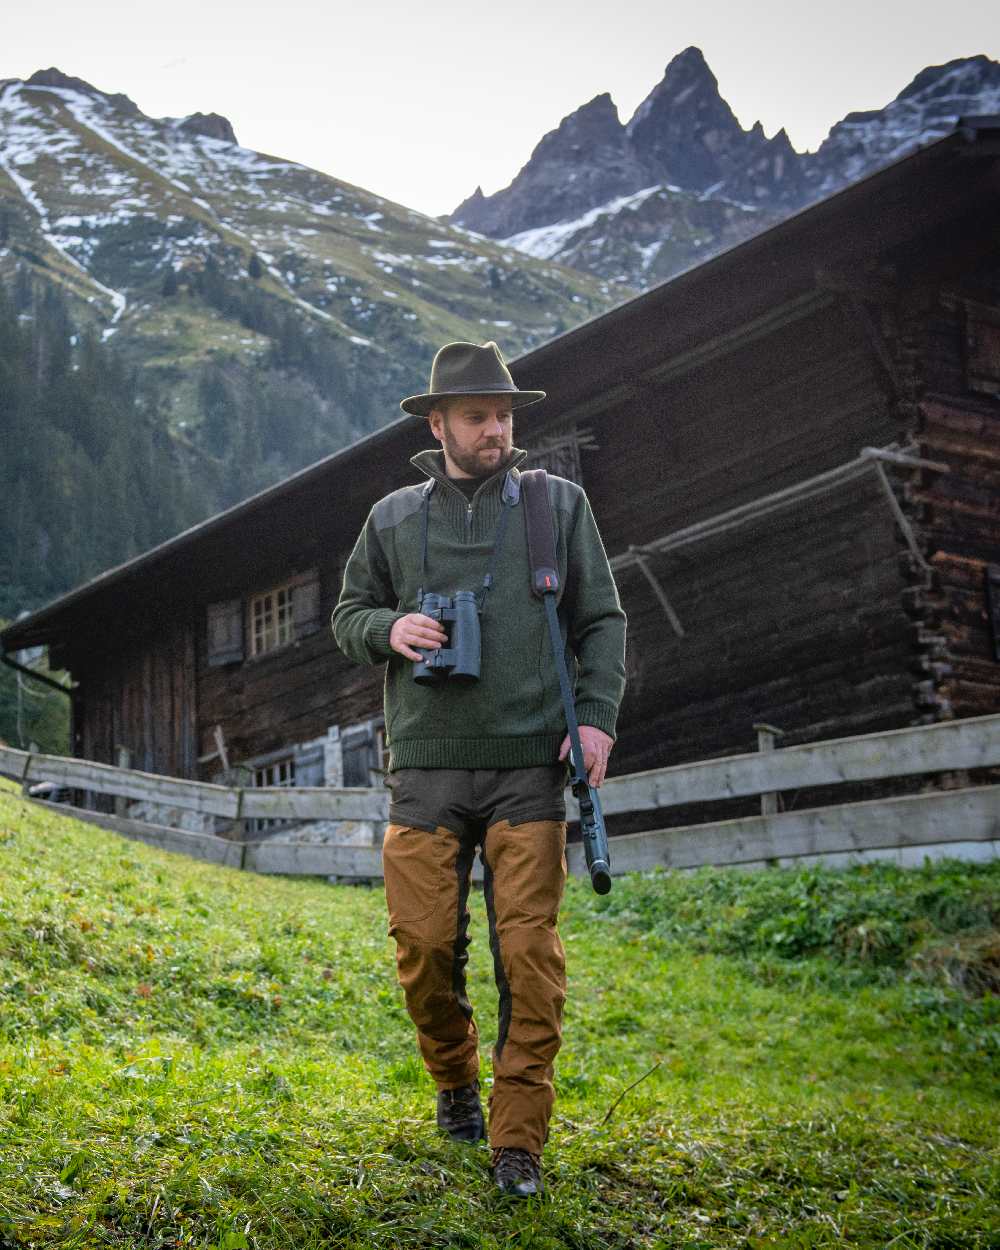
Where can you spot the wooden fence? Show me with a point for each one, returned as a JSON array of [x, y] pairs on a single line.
[[936, 818]]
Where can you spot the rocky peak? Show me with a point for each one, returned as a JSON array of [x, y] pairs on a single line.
[[212, 125], [966, 75], [53, 77], [684, 130], [576, 197], [596, 120], [923, 111], [586, 160], [469, 209], [686, 74]]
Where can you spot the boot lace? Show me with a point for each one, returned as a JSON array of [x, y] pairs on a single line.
[[464, 1099], [520, 1165]]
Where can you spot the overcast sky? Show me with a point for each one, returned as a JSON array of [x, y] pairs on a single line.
[[420, 102]]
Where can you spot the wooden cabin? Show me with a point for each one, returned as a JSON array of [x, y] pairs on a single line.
[[772, 569]]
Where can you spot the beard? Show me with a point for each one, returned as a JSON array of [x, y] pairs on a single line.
[[472, 462]]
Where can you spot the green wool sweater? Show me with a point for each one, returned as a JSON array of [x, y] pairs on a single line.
[[512, 717]]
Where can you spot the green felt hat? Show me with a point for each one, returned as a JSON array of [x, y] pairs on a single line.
[[468, 369]]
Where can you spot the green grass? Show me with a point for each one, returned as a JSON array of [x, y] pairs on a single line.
[[190, 1056]]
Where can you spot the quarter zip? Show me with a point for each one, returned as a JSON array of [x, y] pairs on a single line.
[[432, 464]]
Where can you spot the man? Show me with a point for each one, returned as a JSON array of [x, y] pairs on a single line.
[[477, 761]]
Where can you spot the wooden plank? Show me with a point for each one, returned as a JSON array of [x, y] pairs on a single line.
[[13, 762], [971, 743], [940, 818], [314, 859], [197, 796], [197, 845], [969, 815], [935, 819], [315, 803]]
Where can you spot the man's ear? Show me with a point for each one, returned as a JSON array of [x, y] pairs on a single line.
[[435, 420]]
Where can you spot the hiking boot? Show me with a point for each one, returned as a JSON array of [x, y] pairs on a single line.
[[460, 1113], [517, 1171]]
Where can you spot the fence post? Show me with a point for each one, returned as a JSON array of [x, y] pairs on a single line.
[[766, 735], [124, 756]]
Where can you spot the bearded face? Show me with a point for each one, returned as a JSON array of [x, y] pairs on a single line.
[[476, 433]]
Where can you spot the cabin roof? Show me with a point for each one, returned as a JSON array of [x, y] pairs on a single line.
[[725, 300]]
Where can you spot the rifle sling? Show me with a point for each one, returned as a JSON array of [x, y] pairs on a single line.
[[545, 584]]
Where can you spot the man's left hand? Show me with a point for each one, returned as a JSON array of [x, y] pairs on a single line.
[[596, 749]]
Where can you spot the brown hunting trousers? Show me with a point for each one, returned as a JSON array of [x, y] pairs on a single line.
[[516, 817]]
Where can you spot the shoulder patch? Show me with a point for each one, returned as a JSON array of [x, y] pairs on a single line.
[[395, 508], [563, 493]]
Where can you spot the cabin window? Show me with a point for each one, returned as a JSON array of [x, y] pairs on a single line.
[[225, 632], [364, 753], [272, 621], [277, 772], [280, 773], [268, 620]]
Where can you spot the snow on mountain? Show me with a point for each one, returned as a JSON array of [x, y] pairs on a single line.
[[129, 213], [545, 241], [586, 197], [923, 111]]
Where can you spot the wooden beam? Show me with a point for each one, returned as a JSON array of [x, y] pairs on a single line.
[[314, 859], [758, 327], [315, 803], [196, 796], [960, 744], [939, 818], [970, 743], [766, 735], [197, 845], [936, 818]]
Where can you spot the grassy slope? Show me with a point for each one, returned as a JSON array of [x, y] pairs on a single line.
[[189, 1056]]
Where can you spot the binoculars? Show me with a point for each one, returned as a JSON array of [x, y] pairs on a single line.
[[459, 659]]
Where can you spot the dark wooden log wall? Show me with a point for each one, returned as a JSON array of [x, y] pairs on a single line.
[[795, 619], [143, 698], [286, 696], [813, 619], [958, 423]]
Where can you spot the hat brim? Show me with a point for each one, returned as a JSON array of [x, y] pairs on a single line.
[[421, 405]]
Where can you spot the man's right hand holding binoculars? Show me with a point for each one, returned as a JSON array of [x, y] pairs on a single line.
[[416, 630]]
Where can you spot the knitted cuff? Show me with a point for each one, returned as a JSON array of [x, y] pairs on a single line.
[[603, 716], [378, 629]]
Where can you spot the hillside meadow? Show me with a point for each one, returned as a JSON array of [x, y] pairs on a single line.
[[190, 1056]]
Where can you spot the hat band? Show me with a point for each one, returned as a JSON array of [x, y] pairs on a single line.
[[490, 388]]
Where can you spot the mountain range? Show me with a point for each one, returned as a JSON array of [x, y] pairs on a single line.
[[246, 315], [637, 202], [190, 251]]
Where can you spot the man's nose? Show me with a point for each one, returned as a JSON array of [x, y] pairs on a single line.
[[495, 428]]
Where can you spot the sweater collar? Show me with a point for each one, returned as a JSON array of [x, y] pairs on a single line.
[[432, 464]]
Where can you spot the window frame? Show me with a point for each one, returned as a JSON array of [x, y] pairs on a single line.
[[284, 625], [261, 773]]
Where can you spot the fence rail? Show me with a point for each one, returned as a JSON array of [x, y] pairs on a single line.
[[205, 797], [945, 747], [966, 815]]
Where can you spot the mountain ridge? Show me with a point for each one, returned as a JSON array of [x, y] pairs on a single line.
[[684, 148], [261, 314]]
